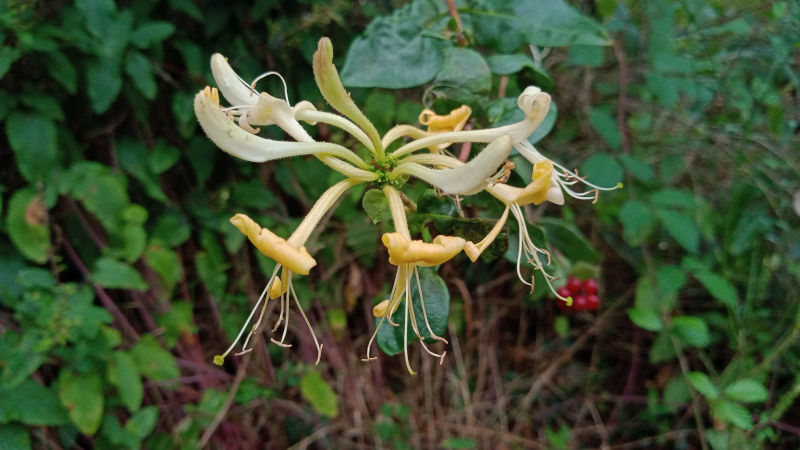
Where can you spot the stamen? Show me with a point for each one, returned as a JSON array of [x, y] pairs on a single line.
[[266, 74], [308, 324], [424, 313], [405, 335], [219, 359]]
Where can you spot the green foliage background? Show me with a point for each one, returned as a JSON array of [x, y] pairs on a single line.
[[120, 275]]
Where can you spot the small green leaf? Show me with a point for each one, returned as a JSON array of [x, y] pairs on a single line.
[[153, 361], [681, 227], [33, 138], [110, 273], [569, 240], [603, 121], [459, 443], [139, 68], [669, 197], [637, 221], [703, 384], [319, 393], [691, 330], [123, 374], [166, 263], [733, 413], [62, 70], [513, 63], [602, 170], [7, 57], [163, 157], [104, 83], [376, 206], [82, 397], [149, 33], [25, 224], [646, 318], [32, 404], [143, 422], [719, 287], [747, 390]]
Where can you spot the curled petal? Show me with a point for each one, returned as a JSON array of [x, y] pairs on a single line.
[[233, 88], [536, 191], [405, 251], [454, 121], [270, 244], [466, 179]]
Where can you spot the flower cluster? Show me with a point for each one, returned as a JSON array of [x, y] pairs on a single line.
[[233, 129]]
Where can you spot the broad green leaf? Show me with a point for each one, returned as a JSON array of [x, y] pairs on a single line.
[[586, 55], [13, 436], [380, 107], [32, 404], [7, 57], [163, 157], [104, 82], [319, 393], [33, 138], [669, 197], [171, 229], [399, 50], [167, 265], [603, 170], [703, 384], [149, 33], [641, 171], [437, 307], [143, 422], [176, 322], [139, 68], [463, 76], [746, 390], [670, 279], [691, 330], [719, 287], [604, 122], [134, 157], [43, 104], [153, 361], [507, 26], [513, 63], [123, 374], [646, 318], [110, 273], [637, 221], [26, 226], [681, 227], [733, 413], [569, 240], [376, 206], [82, 397], [87, 180]]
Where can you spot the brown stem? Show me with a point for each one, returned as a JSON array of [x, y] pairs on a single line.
[[622, 102], [451, 8]]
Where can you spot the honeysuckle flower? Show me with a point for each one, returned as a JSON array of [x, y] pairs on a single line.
[[454, 121]]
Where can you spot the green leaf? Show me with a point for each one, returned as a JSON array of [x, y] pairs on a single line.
[[25, 224], [86, 180], [176, 322], [507, 26], [163, 157], [62, 70], [110, 273], [32, 404], [7, 57], [637, 221], [569, 240], [719, 287], [513, 63], [82, 397], [319, 393], [602, 170], [376, 206], [123, 374], [747, 390], [681, 227], [166, 264], [33, 139], [603, 120], [153, 361], [14, 437], [463, 76], [586, 56], [149, 33], [143, 422], [691, 330], [437, 307], [669, 197], [397, 51], [104, 83], [641, 171], [459, 443], [703, 384], [171, 229], [134, 158], [646, 318], [733, 413], [139, 68]]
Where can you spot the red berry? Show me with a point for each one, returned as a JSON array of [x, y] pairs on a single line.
[[574, 285], [590, 286], [579, 302], [592, 302], [563, 291]]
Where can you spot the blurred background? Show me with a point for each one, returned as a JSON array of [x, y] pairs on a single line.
[[121, 277]]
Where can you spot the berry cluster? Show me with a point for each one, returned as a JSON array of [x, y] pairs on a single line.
[[583, 293]]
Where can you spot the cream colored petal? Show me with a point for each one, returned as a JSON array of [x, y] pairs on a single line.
[[467, 179], [296, 260], [405, 251], [233, 88]]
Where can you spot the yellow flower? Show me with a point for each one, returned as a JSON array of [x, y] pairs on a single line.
[[454, 121]]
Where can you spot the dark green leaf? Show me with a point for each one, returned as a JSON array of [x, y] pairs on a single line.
[[681, 227], [719, 287], [150, 33], [110, 273], [376, 206], [463, 77], [32, 404], [319, 393], [691, 330], [396, 51], [646, 318], [747, 390], [569, 240], [143, 422], [163, 157], [602, 170], [637, 221], [34, 141], [104, 83], [139, 68], [733, 413], [437, 306], [703, 384], [7, 57], [14, 437], [669, 197], [604, 122], [82, 397]]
